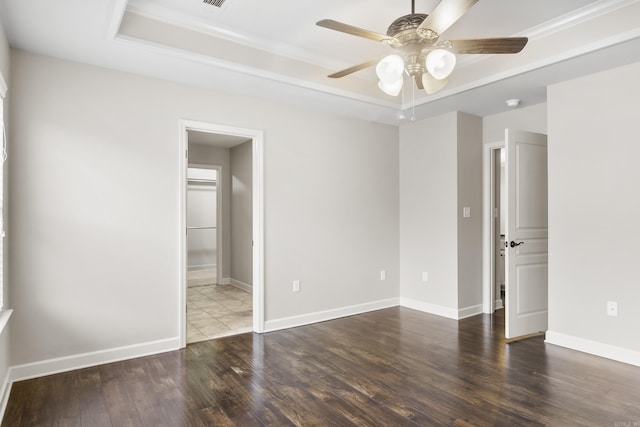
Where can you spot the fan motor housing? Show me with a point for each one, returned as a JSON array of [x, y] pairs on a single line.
[[404, 28]]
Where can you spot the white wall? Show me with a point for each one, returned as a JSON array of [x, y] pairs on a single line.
[[440, 173], [594, 205], [241, 214], [469, 190], [219, 156], [428, 207], [95, 235]]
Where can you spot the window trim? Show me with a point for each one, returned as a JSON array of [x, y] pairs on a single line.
[[4, 318], [4, 314]]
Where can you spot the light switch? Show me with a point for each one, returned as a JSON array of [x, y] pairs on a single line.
[[466, 212], [612, 308]]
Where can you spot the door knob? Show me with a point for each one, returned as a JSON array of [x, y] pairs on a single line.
[[514, 244]]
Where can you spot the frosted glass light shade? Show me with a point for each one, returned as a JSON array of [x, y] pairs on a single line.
[[431, 84], [392, 88], [440, 63], [390, 68]]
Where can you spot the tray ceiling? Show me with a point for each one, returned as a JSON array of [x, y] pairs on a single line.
[[274, 49]]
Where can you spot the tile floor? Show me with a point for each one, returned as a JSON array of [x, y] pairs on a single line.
[[215, 311]]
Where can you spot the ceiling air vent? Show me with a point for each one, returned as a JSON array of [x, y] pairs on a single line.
[[216, 3]]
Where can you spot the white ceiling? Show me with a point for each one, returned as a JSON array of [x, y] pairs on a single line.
[[274, 49]]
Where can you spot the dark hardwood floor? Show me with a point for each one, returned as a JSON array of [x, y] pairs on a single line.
[[392, 367]]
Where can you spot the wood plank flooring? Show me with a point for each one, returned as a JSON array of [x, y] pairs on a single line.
[[393, 367]]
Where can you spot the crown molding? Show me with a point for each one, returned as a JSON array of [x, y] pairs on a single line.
[[271, 46], [119, 9], [257, 72], [574, 18]]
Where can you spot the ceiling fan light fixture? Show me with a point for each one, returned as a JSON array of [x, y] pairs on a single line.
[[390, 69], [432, 85], [440, 63], [416, 37], [391, 88]]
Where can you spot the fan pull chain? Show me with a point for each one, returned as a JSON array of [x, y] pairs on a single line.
[[401, 115], [413, 102]]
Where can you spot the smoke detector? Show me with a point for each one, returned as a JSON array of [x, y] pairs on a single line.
[[513, 103]]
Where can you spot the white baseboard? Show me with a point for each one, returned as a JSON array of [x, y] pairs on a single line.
[[84, 360], [438, 310], [322, 316], [224, 281], [472, 310], [608, 351], [241, 285], [497, 305]]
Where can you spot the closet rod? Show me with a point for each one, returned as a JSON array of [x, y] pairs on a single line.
[[210, 181], [201, 228]]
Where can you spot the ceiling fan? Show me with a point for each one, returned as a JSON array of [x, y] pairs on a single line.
[[421, 54]]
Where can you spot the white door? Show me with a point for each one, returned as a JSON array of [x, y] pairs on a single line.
[[527, 233]]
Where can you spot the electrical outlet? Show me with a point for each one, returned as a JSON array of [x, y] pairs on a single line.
[[383, 275], [612, 308], [425, 276], [296, 286]]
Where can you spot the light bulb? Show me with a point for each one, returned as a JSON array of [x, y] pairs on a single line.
[[392, 88], [431, 84], [390, 68], [440, 63]]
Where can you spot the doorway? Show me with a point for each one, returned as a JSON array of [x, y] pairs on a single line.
[[499, 230], [493, 217], [524, 187], [220, 295]]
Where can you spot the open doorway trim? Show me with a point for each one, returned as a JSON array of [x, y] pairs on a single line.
[[257, 138], [488, 224]]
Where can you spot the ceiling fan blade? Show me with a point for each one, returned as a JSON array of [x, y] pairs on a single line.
[[489, 46], [443, 16], [353, 69], [355, 31]]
